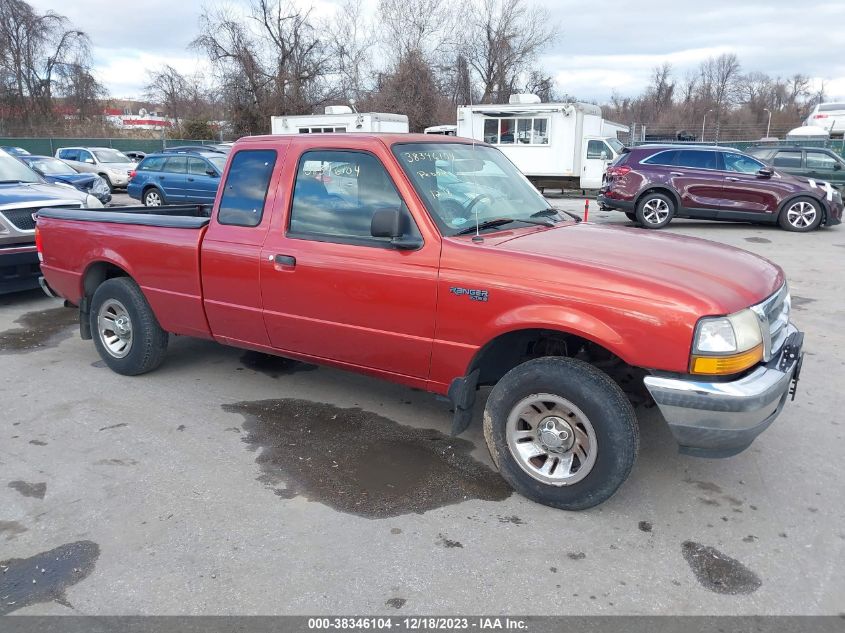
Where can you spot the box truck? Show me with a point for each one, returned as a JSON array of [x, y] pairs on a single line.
[[339, 119], [556, 145]]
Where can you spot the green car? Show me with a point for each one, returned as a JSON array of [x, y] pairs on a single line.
[[817, 163]]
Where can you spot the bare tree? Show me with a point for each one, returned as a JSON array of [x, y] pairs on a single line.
[[37, 51], [503, 38], [410, 88], [350, 42], [274, 62], [425, 26]]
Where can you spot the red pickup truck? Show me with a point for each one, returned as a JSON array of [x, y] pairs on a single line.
[[436, 264]]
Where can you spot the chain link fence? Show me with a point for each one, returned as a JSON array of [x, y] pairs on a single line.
[[48, 146]]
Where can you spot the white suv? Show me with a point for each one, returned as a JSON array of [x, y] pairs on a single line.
[[830, 116], [112, 165]]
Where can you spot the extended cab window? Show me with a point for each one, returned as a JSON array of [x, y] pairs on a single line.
[[245, 191], [336, 194]]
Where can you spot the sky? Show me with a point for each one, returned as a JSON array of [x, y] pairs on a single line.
[[602, 48]]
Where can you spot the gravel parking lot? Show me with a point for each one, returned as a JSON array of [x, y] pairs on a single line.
[[227, 483]]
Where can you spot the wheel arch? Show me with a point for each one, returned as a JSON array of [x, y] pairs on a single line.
[[95, 274], [801, 194], [152, 185], [665, 190]]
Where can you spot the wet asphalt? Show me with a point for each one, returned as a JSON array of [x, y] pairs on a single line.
[[234, 483]]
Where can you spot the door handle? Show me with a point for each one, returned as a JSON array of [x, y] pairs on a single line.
[[731, 178], [190, 180], [285, 261], [676, 173], [161, 177]]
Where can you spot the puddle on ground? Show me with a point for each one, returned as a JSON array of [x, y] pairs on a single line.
[[717, 572], [273, 366], [45, 576], [44, 328], [28, 489], [758, 240], [362, 463], [11, 529], [799, 302]]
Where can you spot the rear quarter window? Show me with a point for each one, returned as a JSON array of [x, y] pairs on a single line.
[[245, 189], [154, 163], [666, 157]]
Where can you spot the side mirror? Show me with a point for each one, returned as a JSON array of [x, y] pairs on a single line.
[[90, 161], [604, 155], [837, 166], [766, 172], [211, 173], [393, 223]]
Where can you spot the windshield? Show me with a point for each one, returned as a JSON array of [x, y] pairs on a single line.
[[615, 145], [219, 162], [463, 184], [52, 166], [12, 170], [111, 156]]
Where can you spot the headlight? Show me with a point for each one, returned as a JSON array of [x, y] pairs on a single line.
[[727, 345], [92, 203]]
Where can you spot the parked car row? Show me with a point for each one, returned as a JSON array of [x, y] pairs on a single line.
[[652, 184], [22, 193]]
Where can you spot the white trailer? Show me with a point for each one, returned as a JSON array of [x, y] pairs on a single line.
[[339, 119], [556, 145]]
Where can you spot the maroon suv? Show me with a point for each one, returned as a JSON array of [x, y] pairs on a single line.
[[654, 183]]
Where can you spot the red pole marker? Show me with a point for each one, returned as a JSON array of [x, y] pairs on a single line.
[[586, 210]]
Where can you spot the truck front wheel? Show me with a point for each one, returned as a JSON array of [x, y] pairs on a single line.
[[126, 333], [561, 432]]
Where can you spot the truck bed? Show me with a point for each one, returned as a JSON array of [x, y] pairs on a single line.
[[158, 247]]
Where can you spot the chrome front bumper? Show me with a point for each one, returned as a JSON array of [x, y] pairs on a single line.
[[720, 419]]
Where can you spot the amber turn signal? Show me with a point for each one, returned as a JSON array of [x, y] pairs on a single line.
[[726, 365]]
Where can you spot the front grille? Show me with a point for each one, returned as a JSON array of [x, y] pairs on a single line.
[[22, 219], [774, 317]]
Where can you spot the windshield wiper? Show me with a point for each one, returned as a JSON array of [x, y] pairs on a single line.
[[549, 211], [489, 224]]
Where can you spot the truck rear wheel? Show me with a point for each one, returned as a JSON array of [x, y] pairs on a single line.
[[126, 333], [561, 432]]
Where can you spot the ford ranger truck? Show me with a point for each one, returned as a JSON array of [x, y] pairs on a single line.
[[435, 264]]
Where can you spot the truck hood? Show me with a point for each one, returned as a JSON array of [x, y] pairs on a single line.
[[18, 194], [718, 279]]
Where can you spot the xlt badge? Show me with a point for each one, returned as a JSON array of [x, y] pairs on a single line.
[[474, 295]]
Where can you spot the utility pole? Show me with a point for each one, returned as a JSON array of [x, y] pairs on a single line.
[[703, 123], [769, 124]]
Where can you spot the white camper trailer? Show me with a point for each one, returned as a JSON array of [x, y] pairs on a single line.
[[556, 145], [339, 119]]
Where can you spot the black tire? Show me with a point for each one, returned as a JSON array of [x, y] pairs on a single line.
[[108, 182], [599, 398], [663, 201], [148, 341], [787, 224], [146, 197], [631, 216]]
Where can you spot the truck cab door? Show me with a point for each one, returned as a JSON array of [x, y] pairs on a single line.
[[595, 156], [333, 291], [231, 248]]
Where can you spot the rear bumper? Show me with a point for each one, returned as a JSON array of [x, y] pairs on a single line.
[[720, 419], [613, 203], [19, 268]]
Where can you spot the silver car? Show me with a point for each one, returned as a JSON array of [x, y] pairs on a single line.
[[113, 166]]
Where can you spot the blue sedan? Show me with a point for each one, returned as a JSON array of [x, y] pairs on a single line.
[[54, 170]]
